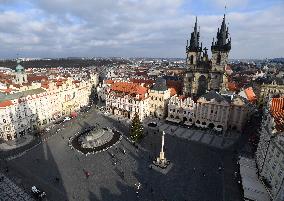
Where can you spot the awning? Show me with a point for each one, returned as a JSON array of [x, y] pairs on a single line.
[[188, 123], [73, 114], [173, 120]]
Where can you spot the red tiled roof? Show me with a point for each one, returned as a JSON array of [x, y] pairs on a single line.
[[277, 111], [182, 97], [6, 103], [146, 81], [250, 94], [45, 84], [33, 78], [130, 88], [8, 90], [17, 85], [232, 86], [176, 84], [109, 81], [173, 91]]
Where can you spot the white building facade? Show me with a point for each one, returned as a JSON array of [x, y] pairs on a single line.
[[211, 110], [29, 111], [125, 99]]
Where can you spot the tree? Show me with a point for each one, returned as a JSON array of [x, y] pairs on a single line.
[[136, 131]]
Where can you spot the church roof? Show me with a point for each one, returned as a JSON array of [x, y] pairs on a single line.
[[222, 43], [160, 85], [193, 45], [19, 67], [214, 95]]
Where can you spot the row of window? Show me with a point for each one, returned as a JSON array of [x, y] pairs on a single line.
[[184, 112], [156, 98]]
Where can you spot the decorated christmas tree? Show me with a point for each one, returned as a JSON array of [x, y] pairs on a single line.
[[136, 131]]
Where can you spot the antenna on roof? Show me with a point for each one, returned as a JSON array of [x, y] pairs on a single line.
[[18, 59]]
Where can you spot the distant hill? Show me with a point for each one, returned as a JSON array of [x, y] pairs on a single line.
[[277, 60], [65, 63]]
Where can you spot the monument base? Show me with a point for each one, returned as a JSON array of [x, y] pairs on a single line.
[[163, 170], [162, 163]]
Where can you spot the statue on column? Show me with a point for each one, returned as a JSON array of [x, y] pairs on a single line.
[[161, 161]]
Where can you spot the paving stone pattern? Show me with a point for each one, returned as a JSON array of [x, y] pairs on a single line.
[[9, 191]]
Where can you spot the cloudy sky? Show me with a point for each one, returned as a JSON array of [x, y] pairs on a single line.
[[134, 28]]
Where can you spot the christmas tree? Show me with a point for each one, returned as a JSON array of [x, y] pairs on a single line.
[[136, 131]]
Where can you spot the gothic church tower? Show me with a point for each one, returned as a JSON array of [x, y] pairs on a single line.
[[220, 52], [203, 74]]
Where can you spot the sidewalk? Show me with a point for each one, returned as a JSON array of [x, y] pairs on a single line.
[[13, 144], [207, 136]]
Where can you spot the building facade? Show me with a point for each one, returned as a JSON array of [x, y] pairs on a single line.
[[203, 74], [125, 99], [181, 109], [267, 90], [159, 95], [270, 150], [211, 110], [28, 111]]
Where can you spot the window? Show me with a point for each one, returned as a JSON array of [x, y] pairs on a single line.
[[218, 59], [191, 59], [7, 128], [4, 120]]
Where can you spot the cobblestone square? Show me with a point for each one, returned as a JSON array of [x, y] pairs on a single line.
[[113, 175]]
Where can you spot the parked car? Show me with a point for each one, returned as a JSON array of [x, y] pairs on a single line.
[[123, 150], [152, 124], [66, 119], [39, 194]]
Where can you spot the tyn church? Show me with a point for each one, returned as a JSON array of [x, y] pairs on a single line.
[[203, 74]]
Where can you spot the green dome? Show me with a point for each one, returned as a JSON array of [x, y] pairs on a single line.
[[19, 67]]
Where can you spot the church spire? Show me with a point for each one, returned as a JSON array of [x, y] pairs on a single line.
[[222, 43], [194, 39]]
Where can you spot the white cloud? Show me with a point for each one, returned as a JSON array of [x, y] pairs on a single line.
[[132, 28]]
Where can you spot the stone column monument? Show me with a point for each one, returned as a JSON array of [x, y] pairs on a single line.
[[161, 161]]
